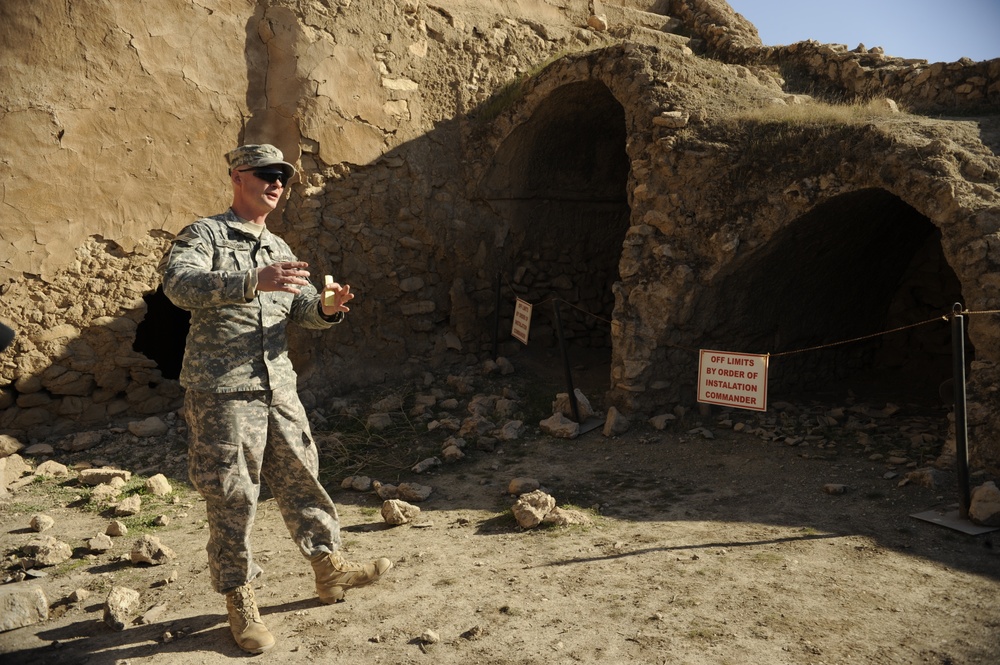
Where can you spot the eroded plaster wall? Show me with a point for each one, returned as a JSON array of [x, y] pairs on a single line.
[[113, 123]]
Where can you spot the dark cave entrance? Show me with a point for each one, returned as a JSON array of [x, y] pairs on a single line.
[[559, 182], [861, 264], [162, 333]]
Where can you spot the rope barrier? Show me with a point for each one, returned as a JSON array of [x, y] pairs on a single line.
[[944, 317]]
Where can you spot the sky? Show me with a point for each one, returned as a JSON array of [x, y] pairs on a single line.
[[935, 30]]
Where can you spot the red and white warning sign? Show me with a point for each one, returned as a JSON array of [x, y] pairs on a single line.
[[733, 379], [522, 321]]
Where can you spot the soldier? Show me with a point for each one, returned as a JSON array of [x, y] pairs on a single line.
[[242, 285]]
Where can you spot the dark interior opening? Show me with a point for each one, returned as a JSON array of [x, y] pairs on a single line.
[[560, 181], [162, 333], [856, 266]]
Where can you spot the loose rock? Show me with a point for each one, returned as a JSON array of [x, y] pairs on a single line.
[[560, 427], [398, 512], [452, 454], [104, 493], [531, 508], [385, 491], [361, 483], [94, 477], [929, 478], [562, 405], [41, 523], [565, 517], [616, 423], [413, 492], [47, 551], [130, 506], [119, 606], [661, 421], [158, 485], [426, 464], [21, 607], [151, 426], [153, 613], [379, 421], [116, 528], [9, 445], [149, 549], [12, 467], [100, 543], [984, 508], [519, 486], [511, 430], [81, 441], [51, 468], [39, 450]]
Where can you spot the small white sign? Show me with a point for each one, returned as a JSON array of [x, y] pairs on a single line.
[[733, 379], [522, 321]]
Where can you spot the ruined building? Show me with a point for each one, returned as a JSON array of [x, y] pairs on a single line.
[[649, 162]]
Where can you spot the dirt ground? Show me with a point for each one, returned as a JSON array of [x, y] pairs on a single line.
[[700, 550]]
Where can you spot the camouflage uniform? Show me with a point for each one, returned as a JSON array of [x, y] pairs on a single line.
[[244, 415]]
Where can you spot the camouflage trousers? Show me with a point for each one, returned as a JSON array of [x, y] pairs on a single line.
[[235, 439]]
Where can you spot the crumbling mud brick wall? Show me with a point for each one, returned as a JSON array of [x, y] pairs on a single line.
[[612, 155]]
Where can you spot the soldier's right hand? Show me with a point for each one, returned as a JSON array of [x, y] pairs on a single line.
[[284, 276]]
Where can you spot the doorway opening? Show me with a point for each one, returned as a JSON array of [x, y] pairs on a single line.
[[560, 182], [162, 333], [856, 266]]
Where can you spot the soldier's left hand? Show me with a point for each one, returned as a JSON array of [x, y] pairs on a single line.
[[341, 296]]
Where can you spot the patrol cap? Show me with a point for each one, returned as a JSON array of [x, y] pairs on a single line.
[[258, 155]]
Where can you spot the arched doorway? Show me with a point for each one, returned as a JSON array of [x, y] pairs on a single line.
[[559, 184], [860, 264]]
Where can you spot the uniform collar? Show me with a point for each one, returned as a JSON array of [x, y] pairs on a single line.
[[236, 223]]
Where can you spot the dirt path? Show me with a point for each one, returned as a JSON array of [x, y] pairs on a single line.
[[700, 551]]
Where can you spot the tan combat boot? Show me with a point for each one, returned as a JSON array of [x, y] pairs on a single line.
[[335, 575], [244, 620]]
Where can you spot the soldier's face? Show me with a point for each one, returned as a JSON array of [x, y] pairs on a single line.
[[256, 193]]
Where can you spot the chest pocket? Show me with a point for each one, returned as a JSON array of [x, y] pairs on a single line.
[[272, 254], [233, 255]]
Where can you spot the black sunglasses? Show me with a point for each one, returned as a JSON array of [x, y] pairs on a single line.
[[268, 175]]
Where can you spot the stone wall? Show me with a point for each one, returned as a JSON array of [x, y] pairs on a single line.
[[847, 75]]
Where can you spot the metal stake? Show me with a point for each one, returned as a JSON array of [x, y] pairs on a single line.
[[565, 355], [961, 426]]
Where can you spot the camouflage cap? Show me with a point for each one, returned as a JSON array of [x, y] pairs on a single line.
[[253, 155]]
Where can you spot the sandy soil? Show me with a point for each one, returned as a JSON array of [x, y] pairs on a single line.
[[700, 550]]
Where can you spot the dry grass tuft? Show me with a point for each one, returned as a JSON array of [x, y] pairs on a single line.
[[821, 113]]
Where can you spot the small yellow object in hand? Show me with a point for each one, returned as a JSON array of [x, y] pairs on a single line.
[[329, 298]]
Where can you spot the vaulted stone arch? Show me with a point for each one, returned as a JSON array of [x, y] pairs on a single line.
[[743, 241], [855, 265], [559, 183]]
